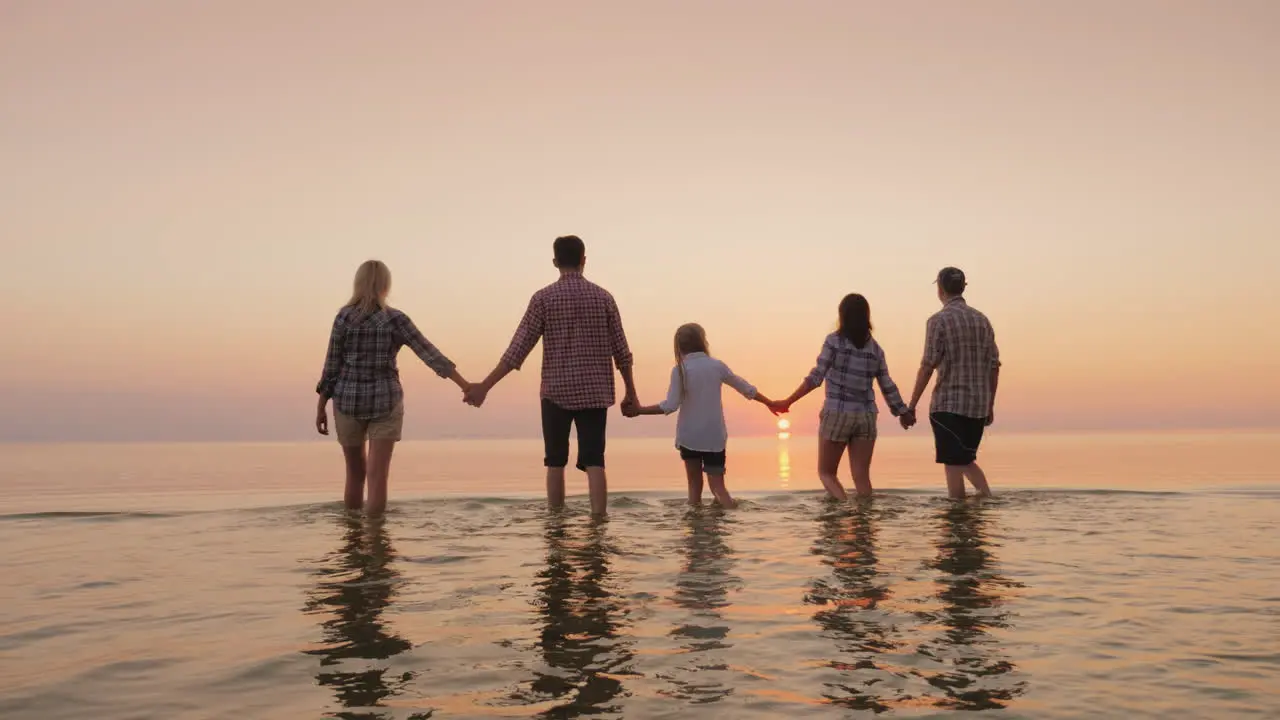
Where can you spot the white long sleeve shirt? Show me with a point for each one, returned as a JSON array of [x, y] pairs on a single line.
[[701, 422]]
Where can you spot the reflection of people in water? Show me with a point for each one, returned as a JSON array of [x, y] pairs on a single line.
[[847, 603], [702, 588], [353, 585], [973, 594], [583, 619]]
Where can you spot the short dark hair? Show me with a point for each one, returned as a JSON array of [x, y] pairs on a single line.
[[951, 280], [569, 250]]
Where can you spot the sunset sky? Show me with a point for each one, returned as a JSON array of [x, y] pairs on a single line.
[[188, 188]]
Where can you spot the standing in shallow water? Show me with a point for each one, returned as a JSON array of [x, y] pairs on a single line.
[[582, 341], [361, 377], [701, 435], [960, 345], [848, 363]]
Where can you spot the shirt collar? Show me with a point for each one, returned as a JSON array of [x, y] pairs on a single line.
[[958, 300], [695, 354], [570, 274]]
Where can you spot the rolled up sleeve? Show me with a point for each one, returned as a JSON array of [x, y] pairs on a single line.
[[618, 337], [819, 372], [746, 389], [892, 397], [675, 390], [933, 342], [423, 348], [332, 359], [527, 335]]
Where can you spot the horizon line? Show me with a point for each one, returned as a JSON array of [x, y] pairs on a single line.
[[1242, 430]]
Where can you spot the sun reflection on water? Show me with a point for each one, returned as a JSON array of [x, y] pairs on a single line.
[[784, 461]]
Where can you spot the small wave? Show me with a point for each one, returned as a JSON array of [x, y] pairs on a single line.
[[644, 499], [88, 515]]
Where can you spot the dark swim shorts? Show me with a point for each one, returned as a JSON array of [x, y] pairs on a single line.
[[712, 461], [956, 437]]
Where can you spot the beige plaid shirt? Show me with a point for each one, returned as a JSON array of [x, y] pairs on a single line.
[[961, 345]]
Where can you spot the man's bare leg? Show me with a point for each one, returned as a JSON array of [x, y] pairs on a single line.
[[598, 487], [978, 479], [555, 487], [955, 481]]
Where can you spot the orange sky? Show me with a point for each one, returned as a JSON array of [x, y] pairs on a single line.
[[188, 190]]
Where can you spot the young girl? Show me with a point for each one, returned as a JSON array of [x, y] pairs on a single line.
[[700, 429], [849, 361]]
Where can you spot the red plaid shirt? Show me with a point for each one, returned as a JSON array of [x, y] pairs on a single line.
[[582, 339]]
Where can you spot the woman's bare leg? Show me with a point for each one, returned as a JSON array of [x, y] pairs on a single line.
[[693, 471], [829, 454], [860, 452], [720, 491], [379, 470], [353, 496]]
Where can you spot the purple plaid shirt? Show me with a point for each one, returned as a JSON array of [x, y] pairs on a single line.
[[849, 373], [360, 372]]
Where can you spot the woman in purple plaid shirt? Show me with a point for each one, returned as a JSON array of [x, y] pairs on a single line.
[[850, 361], [361, 376]]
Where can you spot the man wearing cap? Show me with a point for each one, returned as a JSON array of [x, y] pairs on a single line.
[[961, 346]]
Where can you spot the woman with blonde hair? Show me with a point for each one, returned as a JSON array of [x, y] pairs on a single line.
[[361, 377], [701, 434]]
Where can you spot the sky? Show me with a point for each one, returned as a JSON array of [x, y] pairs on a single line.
[[189, 188]]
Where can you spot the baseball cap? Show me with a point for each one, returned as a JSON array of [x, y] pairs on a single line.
[[951, 279]]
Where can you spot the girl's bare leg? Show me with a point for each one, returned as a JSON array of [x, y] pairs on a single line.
[[720, 491], [829, 454], [379, 470], [693, 470], [860, 452], [353, 496]]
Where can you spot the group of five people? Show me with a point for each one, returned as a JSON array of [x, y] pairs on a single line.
[[583, 341]]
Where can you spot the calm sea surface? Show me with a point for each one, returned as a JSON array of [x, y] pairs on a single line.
[[1131, 576]]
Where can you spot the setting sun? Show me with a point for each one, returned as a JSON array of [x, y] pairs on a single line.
[[784, 424]]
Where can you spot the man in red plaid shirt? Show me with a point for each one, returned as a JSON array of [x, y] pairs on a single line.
[[582, 341]]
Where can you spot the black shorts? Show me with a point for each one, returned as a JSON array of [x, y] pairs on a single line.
[[555, 435], [712, 462], [956, 437]]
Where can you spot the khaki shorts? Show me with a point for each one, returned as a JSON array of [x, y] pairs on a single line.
[[352, 432], [845, 427]]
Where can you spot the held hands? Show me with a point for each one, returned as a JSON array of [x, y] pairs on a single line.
[[630, 406], [779, 407], [475, 394], [907, 419]]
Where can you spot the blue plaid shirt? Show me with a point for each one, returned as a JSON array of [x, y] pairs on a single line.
[[360, 372], [849, 372]]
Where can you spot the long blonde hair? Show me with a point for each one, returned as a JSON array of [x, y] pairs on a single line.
[[690, 338], [369, 291]]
